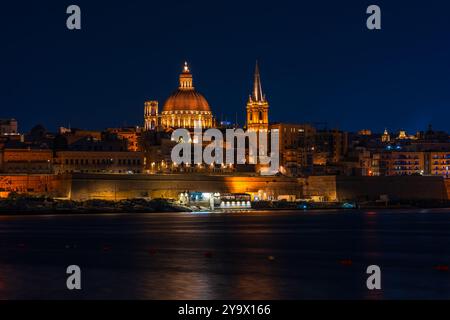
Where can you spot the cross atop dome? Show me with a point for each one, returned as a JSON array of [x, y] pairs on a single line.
[[186, 67]]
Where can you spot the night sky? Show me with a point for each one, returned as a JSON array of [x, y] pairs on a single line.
[[318, 61]]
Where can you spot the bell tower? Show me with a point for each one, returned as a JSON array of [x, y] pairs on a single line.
[[150, 115], [257, 106]]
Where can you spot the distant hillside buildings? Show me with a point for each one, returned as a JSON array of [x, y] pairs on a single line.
[[8, 127]]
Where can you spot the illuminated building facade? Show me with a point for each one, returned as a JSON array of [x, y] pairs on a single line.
[[397, 163], [439, 163], [386, 137], [151, 115], [436, 163], [30, 161], [403, 135], [365, 132], [296, 145]]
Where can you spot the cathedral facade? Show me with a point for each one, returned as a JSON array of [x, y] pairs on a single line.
[[186, 108]]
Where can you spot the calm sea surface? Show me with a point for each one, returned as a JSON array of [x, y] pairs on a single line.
[[252, 255]]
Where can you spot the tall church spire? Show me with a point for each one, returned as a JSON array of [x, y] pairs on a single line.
[[257, 88], [257, 106]]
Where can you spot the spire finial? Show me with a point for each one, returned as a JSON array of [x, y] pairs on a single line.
[[257, 88]]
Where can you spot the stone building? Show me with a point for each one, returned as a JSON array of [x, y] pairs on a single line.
[[117, 162], [27, 160]]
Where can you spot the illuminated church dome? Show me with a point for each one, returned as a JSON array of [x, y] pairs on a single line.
[[186, 108], [186, 100]]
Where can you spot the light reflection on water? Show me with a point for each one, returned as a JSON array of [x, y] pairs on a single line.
[[262, 255]]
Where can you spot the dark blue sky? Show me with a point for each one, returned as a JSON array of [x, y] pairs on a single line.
[[318, 61]]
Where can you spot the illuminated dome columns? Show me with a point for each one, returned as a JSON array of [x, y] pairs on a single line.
[[186, 119]]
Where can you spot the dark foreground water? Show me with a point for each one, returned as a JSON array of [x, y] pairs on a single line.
[[254, 255]]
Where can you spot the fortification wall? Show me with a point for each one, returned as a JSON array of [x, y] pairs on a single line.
[[323, 187], [396, 188], [116, 187], [329, 188], [34, 184], [343, 188]]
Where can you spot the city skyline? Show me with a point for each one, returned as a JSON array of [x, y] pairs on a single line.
[[225, 156], [100, 76]]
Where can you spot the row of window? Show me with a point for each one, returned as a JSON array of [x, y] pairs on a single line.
[[447, 156], [406, 163], [444, 168], [97, 148], [405, 173], [407, 168], [102, 161], [28, 169], [102, 171], [443, 162], [406, 157]]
